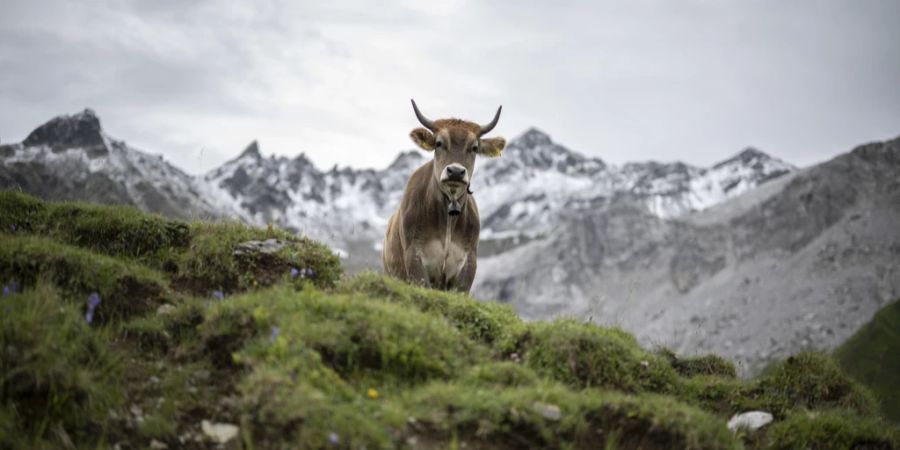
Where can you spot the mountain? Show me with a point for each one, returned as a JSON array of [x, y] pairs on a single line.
[[800, 262], [71, 158], [749, 257]]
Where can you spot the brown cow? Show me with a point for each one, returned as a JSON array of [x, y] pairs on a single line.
[[432, 239]]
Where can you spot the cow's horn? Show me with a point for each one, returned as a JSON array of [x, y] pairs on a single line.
[[485, 129], [422, 119]]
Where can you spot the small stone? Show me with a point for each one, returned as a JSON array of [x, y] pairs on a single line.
[[751, 420], [268, 247], [136, 411], [219, 432], [645, 364], [154, 379], [157, 445], [165, 308], [547, 411]]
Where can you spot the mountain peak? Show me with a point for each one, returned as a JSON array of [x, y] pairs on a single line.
[[746, 156], [69, 131], [533, 137], [251, 151]]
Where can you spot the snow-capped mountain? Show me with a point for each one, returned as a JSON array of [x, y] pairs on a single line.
[[795, 264], [71, 158], [522, 195], [536, 181]]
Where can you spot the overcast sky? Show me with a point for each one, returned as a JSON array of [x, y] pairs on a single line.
[[625, 81]]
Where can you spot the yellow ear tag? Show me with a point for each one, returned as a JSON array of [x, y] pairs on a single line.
[[425, 145]]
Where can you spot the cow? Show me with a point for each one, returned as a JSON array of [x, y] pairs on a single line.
[[432, 238]]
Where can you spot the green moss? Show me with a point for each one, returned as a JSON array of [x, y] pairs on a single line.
[[812, 381], [354, 336], [699, 365], [157, 426], [723, 396], [487, 322], [57, 372], [870, 356], [199, 256], [21, 213], [112, 230], [553, 416], [585, 355], [281, 411], [211, 264], [173, 330], [501, 373], [832, 430], [115, 230], [125, 289]]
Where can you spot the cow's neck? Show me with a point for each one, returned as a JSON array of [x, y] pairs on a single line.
[[448, 222]]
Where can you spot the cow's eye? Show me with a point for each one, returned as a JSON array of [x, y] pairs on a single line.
[[474, 148], [438, 144]]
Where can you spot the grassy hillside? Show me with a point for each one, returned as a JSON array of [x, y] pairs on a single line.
[[872, 356], [121, 328]]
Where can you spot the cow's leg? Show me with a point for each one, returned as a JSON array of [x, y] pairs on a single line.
[[415, 267], [467, 274]]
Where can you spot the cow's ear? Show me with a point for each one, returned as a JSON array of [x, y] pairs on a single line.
[[491, 147], [423, 138]]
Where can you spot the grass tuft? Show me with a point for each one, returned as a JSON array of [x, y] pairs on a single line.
[[832, 430], [56, 372]]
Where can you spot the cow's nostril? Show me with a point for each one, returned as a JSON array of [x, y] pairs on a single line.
[[456, 172]]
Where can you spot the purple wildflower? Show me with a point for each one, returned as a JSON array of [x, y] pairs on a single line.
[[218, 295], [294, 272], [93, 302], [12, 227], [275, 332], [333, 438], [6, 291], [309, 272]]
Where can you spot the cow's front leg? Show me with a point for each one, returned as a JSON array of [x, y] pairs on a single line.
[[415, 267], [467, 274]]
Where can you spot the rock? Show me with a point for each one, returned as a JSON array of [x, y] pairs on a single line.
[[751, 420], [157, 445], [219, 432], [547, 411], [165, 308], [267, 247]]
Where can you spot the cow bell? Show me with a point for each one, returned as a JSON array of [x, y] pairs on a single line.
[[454, 209]]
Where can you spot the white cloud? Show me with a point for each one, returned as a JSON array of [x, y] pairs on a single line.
[[690, 80]]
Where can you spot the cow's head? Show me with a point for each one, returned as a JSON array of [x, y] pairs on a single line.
[[455, 143]]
